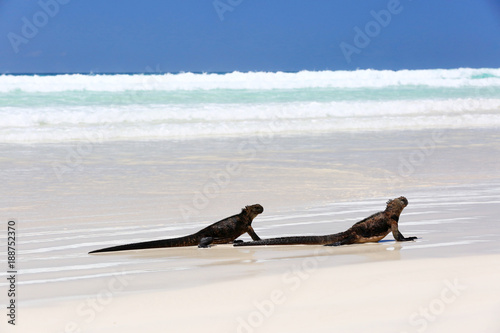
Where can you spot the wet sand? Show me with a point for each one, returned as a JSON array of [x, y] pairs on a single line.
[[72, 198]]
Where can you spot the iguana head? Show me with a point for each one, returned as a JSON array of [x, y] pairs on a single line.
[[253, 210], [398, 203]]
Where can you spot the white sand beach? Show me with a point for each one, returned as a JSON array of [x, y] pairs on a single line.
[[68, 199], [431, 295]]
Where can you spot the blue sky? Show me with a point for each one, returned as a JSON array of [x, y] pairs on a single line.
[[57, 36]]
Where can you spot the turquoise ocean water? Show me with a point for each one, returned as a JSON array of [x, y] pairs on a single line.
[[61, 108]]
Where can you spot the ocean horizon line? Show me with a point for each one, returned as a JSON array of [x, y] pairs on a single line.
[[159, 72]]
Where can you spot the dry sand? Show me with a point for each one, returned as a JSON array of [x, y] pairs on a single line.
[[423, 295]]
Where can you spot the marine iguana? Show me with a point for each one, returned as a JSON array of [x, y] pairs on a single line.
[[222, 232], [371, 229]]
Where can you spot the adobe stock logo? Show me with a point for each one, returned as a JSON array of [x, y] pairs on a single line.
[[221, 7], [31, 28]]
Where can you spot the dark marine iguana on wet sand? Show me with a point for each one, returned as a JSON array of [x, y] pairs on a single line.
[[222, 232], [371, 229]]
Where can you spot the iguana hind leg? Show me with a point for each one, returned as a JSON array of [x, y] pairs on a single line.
[[344, 240], [205, 242]]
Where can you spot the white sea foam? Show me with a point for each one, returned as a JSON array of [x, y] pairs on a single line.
[[185, 106], [253, 80], [157, 122]]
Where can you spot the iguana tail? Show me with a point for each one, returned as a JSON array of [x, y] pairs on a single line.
[[294, 240], [173, 242], [337, 239]]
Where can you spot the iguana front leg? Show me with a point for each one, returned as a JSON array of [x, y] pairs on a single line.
[[252, 234], [398, 235]]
